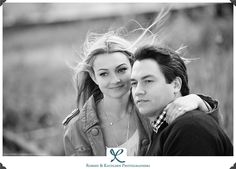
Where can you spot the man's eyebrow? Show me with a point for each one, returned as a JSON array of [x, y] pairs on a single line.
[[147, 76], [132, 79], [142, 78]]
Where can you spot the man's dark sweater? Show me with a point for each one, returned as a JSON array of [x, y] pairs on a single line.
[[193, 134]]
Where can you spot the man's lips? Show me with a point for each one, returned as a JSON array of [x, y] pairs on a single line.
[[141, 101]]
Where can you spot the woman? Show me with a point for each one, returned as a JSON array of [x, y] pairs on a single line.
[[106, 115]]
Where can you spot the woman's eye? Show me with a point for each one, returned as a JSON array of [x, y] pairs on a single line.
[[103, 74], [122, 70]]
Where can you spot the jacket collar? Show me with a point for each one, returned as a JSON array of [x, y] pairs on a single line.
[[90, 117]]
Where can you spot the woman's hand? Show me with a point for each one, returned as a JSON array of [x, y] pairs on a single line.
[[184, 104]]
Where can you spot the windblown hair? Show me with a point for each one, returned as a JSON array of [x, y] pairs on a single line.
[[94, 45], [110, 42]]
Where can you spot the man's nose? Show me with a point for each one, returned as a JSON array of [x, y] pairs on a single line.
[[139, 90]]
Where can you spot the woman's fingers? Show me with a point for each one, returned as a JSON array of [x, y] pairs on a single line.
[[174, 111]]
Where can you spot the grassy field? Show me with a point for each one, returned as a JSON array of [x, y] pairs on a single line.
[[38, 90]]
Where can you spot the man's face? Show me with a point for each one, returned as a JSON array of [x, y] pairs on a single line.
[[150, 91]]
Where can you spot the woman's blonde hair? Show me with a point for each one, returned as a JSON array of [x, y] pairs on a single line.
[[94, 45]]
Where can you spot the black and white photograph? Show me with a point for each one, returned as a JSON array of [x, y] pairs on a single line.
[[126, 83]]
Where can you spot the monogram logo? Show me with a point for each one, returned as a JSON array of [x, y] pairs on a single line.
[[116, 154]]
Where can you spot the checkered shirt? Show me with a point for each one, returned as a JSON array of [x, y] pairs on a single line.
[[156, 124]]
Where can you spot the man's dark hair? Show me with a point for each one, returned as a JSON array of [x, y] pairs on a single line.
[[169, 61]]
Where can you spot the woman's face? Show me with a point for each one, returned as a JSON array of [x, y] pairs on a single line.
[[112, 74]]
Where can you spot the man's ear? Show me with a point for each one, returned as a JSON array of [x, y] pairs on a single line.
[[177, 84]]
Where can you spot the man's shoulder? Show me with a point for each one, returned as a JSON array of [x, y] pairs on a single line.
[[193, 124], [193, 120], [194, 133], [193, 115]]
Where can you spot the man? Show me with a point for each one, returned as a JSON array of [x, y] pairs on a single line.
[[158, 77]]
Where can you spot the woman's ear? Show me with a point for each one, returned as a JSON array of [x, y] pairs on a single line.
[[177, 84], [92, 75]]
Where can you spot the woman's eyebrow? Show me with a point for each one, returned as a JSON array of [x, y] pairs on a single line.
[[102, 69], [123, 64]]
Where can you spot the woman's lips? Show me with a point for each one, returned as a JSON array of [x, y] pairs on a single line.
[[116, 87]]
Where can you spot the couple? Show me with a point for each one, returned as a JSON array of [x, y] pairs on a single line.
[[156, 116]]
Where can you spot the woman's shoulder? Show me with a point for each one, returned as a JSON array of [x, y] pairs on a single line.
[[73, 115], [81, 116]]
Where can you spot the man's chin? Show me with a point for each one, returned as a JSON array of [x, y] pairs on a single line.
[[145, 112]]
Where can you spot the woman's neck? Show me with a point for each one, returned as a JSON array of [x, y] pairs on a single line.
[[116, 107]]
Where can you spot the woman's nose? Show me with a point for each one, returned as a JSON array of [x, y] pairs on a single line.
[[115, 78]]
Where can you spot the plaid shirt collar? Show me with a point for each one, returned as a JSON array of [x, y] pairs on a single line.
[[156, 124]]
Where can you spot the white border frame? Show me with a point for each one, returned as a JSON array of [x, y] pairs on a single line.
[[40, 162]]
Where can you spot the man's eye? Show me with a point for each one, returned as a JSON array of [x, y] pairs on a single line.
[[148, 81], [133, 84]]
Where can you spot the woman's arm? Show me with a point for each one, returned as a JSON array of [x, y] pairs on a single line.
[[190, 102], [214, 110]]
